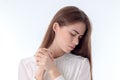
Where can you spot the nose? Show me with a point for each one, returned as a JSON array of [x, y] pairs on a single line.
[[75, 40]]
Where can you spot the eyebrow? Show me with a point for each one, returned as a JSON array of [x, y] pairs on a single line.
[[77, 32]]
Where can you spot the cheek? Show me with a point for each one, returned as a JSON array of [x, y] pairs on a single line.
[[66, 37]]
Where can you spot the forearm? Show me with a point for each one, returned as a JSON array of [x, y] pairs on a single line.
[[39, 74], [54, 73]]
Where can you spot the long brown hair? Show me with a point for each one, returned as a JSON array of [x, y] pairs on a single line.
[[66, 16]]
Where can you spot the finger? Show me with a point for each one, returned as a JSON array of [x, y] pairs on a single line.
[[37, 59], [40, 57], [45, 52], [42, 51], [40, 54], [51, 56], [48, 53], [40, 63]]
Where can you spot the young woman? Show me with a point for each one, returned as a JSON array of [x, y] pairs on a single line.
[[65, 53]]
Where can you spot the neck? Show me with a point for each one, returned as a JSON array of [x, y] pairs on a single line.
[[55, 50]]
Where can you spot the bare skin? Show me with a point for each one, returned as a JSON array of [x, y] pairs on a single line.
[[66, 38], [46, 63]]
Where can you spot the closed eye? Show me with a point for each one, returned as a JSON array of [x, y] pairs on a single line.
[[73, 33]]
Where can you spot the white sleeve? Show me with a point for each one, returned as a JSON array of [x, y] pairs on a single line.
[[23, 72], [84, 71], [60, 78]]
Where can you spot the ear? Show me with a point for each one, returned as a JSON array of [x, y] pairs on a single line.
[[56, 27]]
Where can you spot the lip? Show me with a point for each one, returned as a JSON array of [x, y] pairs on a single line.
[[72, 47]]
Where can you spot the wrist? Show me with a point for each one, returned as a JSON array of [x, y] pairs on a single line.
[[39, 73], [54, 73]]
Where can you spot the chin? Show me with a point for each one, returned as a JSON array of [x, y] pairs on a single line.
[[67, 51]]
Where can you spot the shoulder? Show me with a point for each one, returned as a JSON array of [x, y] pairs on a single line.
[[27, 61], [82, 63], [78, 58], [82, 67], [26, 68], [74, 59]]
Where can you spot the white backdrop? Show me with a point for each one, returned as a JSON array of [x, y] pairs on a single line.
[[24, 22]]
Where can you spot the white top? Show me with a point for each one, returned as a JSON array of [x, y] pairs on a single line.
[[71, 67]]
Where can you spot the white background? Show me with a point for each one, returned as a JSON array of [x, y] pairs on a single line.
[[24, 22]]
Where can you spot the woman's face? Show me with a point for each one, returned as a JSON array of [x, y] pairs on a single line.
[[67, 37]]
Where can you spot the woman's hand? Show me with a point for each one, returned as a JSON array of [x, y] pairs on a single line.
[[44, 58], [45, 61]]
